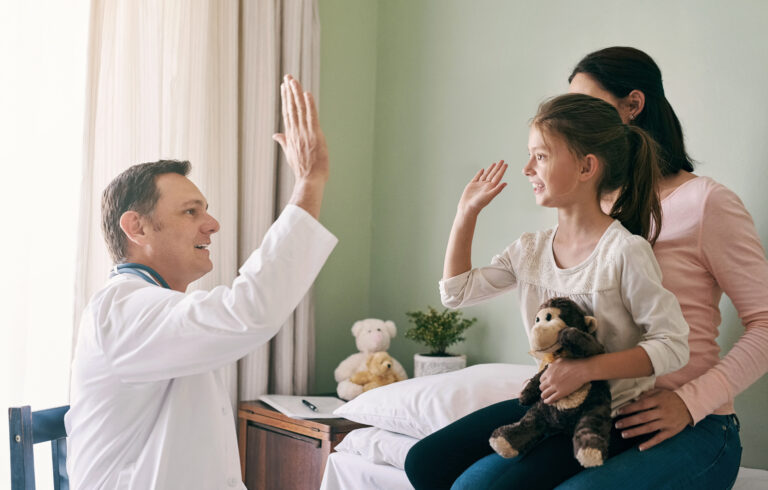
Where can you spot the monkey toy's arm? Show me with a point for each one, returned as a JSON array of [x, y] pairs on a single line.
[[579, 343], [531, 392]]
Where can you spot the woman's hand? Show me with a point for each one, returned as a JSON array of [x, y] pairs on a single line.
[[563, 377], [656, 410], [483, 188]]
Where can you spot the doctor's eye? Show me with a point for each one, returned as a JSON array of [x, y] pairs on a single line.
[[549, 316]]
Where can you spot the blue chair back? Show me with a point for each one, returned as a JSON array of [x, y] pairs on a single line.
[[27, 428]]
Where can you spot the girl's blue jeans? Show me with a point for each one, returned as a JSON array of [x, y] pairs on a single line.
[[706, 456], [703, 457]]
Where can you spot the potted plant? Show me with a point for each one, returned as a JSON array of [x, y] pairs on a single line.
[[438, 331]]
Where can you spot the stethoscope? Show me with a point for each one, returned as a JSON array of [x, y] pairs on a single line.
[[135, 269]]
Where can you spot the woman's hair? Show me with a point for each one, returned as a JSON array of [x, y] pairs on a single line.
[[621, 70], [629, 156]]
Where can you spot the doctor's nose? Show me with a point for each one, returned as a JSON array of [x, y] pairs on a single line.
[[212, 225]]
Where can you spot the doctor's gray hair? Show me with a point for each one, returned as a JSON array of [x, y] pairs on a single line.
[[132, 190]]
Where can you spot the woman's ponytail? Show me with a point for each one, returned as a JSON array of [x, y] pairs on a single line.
[[637, 206]]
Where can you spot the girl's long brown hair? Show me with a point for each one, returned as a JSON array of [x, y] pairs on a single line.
[[629, 155]]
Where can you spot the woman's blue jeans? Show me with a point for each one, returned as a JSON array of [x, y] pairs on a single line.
[[704, 457]]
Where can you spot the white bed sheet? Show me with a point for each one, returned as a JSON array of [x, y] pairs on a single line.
[[346, 471], [751, 479]]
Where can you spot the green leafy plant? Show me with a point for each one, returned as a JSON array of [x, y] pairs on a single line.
[[437, 330]]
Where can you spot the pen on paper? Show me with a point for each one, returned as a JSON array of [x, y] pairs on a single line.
[[309, 405]]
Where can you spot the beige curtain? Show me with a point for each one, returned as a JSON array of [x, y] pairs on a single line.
[[199, 80]]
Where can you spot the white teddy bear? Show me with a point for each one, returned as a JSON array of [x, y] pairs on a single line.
[[371, 335]]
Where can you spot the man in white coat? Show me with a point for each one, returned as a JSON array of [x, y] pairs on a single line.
[[147, 411]]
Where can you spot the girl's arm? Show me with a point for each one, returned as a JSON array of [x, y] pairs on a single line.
[[663, 347], [564, 376], [477, 194], [462, 285]]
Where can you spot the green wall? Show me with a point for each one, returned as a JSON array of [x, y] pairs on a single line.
[[346, 108], [417, 94]]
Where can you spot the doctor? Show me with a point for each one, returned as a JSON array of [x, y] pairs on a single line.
[[147, 410]]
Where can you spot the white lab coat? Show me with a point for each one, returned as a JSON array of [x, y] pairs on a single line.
[[147, 410]]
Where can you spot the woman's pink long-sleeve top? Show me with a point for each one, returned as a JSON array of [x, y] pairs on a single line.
[[709, 246]]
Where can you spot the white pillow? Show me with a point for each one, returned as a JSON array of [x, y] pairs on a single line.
[[378, 446], [418, 407]]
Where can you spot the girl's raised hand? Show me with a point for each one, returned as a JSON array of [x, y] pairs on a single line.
[[483, 188]]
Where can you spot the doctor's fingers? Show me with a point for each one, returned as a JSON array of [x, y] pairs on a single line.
[[299, 103], [286, 105], [313, 122]]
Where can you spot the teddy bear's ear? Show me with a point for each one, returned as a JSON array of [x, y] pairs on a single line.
[[357, 328], [591, 324], [391, 328]]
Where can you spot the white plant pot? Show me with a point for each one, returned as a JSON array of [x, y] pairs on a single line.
[[424, 365]]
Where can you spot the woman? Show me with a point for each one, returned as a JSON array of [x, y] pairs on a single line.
[[706, 243]]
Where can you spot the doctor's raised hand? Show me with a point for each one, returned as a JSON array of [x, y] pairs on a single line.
[[304, 145]]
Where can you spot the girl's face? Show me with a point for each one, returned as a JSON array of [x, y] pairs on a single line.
[[552, 169]]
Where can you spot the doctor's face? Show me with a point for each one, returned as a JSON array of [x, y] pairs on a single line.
[[179, 232]]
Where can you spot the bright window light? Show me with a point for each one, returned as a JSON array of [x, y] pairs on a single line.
[[43, 48]]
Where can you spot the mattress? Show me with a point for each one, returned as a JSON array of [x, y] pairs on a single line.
[[401, 413], [346, 471]]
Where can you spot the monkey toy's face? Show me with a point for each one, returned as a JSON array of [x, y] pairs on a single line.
[[546, 328], [554, 316]]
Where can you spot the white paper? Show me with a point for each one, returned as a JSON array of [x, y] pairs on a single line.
[[293, 406]]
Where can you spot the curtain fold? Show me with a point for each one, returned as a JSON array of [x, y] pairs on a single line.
[[199, 81]]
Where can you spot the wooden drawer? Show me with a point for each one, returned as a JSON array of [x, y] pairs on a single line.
[[278, 452]]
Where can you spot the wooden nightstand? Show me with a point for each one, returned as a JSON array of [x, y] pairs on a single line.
[[279, 452]]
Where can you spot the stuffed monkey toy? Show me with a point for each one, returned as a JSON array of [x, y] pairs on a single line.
[[562, 329]]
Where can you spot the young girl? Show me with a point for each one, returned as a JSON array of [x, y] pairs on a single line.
[[580, 151]]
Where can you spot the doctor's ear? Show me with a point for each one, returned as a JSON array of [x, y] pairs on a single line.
[[133, 227]]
